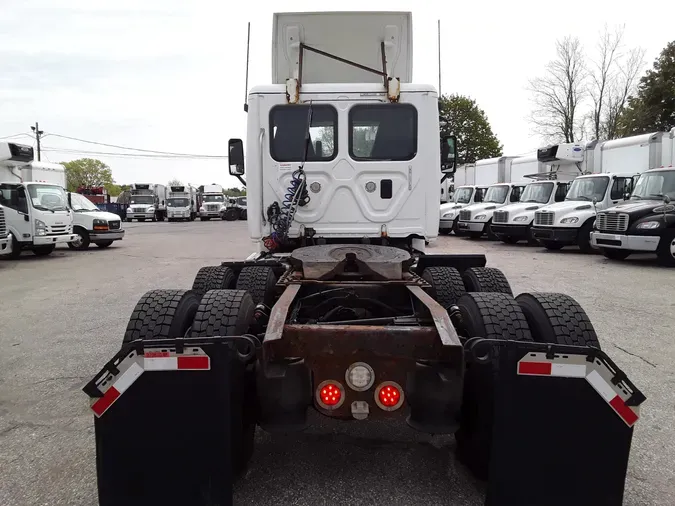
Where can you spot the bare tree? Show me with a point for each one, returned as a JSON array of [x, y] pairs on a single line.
[[623, 86], [603, 74], [558, 95], [175, 182], [613, 78]]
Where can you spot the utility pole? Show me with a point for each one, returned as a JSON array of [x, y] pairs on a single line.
[[38, 133]]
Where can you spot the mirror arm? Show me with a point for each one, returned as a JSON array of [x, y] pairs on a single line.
[[241, 180]]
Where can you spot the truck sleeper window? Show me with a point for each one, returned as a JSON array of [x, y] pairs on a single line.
[[383, 132], [288, 124]]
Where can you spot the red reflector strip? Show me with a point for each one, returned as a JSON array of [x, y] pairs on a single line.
[[156, 354], [535, 368], [194, 362], [103, 403], [629, 416]]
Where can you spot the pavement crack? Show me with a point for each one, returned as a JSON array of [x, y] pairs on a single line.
[[634, 355]]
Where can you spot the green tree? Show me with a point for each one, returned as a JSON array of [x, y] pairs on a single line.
[[235, 192], [461, 116], [653, 107], [87, 172], [113, 189]]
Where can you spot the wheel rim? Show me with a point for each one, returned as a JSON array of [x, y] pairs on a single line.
[[78, 242], [672, 248]]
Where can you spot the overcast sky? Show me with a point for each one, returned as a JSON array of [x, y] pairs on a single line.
[[169, 75]]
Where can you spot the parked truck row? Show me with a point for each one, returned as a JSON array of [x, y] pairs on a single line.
[[585, 195]]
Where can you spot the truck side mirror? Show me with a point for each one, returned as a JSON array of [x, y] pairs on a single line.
[[448, 154], [236, 157]]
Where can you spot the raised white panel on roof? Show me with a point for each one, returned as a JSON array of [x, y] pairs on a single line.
[[355, 36]]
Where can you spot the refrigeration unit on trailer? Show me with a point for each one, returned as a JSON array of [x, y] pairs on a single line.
[[147, 201], [339, 312], [213, 201], [616, 166], [92, 225], [464, 196], [181, 203], [34, 202], [551, 171], [644, 224]]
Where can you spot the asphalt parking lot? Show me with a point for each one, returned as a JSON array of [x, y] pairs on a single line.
[[63, 316]]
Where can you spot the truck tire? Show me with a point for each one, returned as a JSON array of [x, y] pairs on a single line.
[[488, 230], [616, 254], [82, 242], [230, 313], [213, 277], [43, 251], [16, 250], [231, 214], [446, 285], [558, 319], [486, 279], [259, 281], [243, 215], [204, 218], [584, 237], [162, 313], [103, 244], [492, 316], [665, 253], [551, 245]]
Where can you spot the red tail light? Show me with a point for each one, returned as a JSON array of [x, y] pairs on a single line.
[[330, 394], [389, 395]]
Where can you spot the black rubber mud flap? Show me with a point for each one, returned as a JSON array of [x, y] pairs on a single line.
[[562, 424], [163, 435]]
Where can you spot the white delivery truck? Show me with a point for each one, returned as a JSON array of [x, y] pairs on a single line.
[[34, 200], [614, 167], [213, 201], [182, 203], [92, 225], [475, 220], [513, 223], [147, 201], [464, 196], [465, 175]]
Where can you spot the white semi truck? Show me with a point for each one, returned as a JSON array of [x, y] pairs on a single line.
[[610, 171], [554, 167], [338, 312], [213, 201], [182, 203], [499, 173], [34, 201], [147, 201]]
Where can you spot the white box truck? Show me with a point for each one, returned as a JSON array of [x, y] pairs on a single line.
[[34, 201], [551, 171], [615, 167], [464, 196], [5, 236], [182, 203], [147, 201], [213, 201]]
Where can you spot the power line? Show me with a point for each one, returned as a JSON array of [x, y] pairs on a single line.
[[138, 149], [17, 135], [130, 155]]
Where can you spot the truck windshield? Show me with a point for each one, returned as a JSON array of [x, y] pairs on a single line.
[[463, 195], [537, 192], [214, 198], [288, 124], [178, 202], [655, 185], [588, 187], [141, 199], [47, 197], [496, 194], [80, 203], [383, 132]]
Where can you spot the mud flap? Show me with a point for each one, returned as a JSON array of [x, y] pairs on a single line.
[[562, 424], [162, 423]]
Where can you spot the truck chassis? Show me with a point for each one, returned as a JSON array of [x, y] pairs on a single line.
[[358, 332]]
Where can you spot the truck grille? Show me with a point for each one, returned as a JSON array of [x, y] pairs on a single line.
[[500, 217], [57, 230], [543, 218], [465, 215], [212, 207], [3, 225], [114, 225], [612, 222]]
